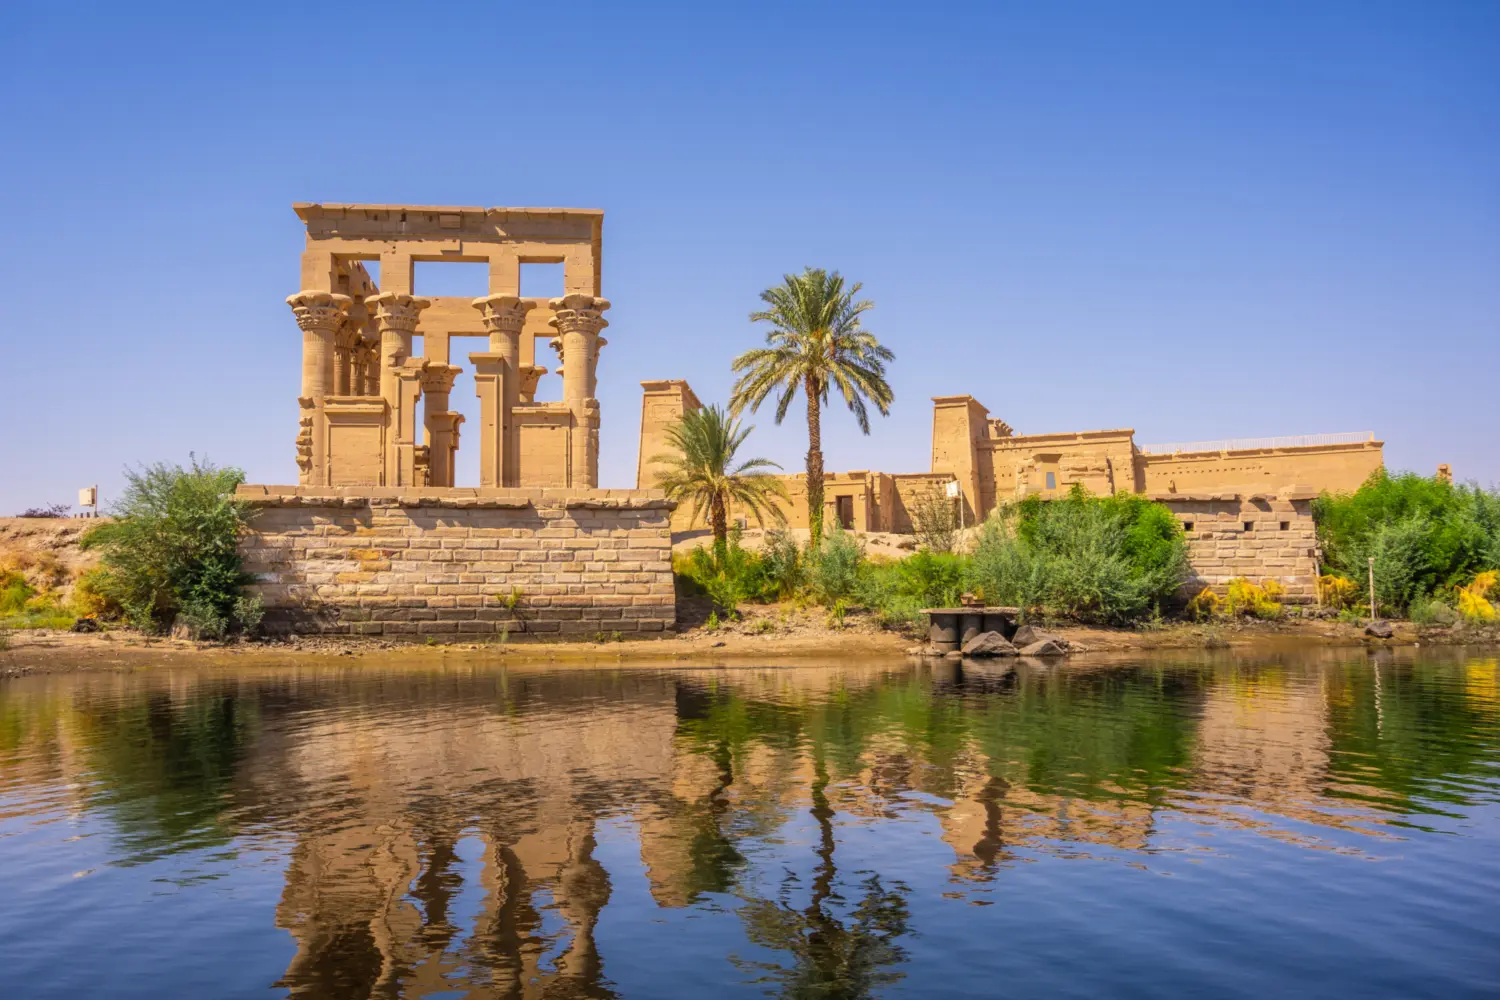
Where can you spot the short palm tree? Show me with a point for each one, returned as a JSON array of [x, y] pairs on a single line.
[[815, 341], [702, 469]]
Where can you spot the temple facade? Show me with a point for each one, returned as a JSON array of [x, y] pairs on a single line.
[[375, 412], [375, 537], [1245, 506]]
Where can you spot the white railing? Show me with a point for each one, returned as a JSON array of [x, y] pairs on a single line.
[[1250, 444]]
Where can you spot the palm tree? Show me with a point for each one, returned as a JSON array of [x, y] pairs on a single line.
[[703, 470], [815, 341]]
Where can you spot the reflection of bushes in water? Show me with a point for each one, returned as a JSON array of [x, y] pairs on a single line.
[[163, 769], [1410, 731]]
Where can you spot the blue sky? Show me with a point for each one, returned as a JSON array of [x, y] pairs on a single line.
[[1196, 220]]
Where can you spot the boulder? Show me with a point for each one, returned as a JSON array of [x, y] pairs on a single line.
[[1027, 635], [1044, 647], [953, 654], [1380, 629], [989, 644], [86, 625]]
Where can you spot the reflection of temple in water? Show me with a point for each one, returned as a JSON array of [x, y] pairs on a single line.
[[369, 896], [446, 827]]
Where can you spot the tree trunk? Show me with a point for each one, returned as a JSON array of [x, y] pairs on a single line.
[[814, 464], [718, 516]]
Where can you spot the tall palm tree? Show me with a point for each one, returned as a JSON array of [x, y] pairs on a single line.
[[702, 469], [815, 341]]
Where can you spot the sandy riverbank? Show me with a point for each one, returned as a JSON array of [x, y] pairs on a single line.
[[767, 636]]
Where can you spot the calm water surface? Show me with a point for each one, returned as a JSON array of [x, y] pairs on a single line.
[[1326, 825]]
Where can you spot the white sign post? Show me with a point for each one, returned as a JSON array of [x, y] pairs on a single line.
[[956, 492]]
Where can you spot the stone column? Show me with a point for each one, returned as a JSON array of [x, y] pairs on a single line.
[[579, 320], [441, 424], [319, 314], [343, 360], [396, 318], [396, 315], [503, 317], [371, 349]]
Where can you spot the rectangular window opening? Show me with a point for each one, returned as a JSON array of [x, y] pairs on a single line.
[[1051, 480], [541, 281], [1187, 526], [462, 278], [1249, 525], [1286, 525]]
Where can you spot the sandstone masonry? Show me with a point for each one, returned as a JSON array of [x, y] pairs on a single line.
[[461, 563], [1263, 536]]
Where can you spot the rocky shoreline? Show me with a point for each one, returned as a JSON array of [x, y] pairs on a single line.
[[763, 637]]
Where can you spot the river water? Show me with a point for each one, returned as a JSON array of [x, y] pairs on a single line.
[[1324, 824]]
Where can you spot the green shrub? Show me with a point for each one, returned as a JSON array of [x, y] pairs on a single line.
[[781, 565], [1432, 611], [898, 591], [833, 568], [172, 548], [1426, 535], [23, 606], [1107, 560], [729, 579], [14, 593], [90, 600], [1007, 570]]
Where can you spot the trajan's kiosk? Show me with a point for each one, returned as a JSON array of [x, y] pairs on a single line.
[[375, 538]]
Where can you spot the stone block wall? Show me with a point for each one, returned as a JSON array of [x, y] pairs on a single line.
[[909, 489], [461, 563], [1260, 537]]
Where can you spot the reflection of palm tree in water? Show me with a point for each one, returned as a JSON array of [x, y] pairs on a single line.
[[510, 944], [839, 960]]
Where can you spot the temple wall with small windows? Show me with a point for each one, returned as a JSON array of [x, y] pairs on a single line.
[[1260, 536]]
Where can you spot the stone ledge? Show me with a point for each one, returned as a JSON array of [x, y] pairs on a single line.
[[454, 498]]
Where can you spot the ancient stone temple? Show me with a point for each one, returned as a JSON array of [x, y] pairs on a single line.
[[1245, 505], [376, 413], [375, 537]]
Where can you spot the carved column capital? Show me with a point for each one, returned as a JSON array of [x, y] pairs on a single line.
[[396, 311], [530, 376], [503, 313], [318, 311], [439, 378], [578, 314]]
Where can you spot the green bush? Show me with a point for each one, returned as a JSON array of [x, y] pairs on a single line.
[[781, 565], [833, 568], [729, 579], [14, 593], [1426, 535], [1106, 560], [898, 591], [172, 549], [1432, 611]]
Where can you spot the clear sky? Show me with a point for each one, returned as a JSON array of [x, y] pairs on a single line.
[[1197, 220]]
